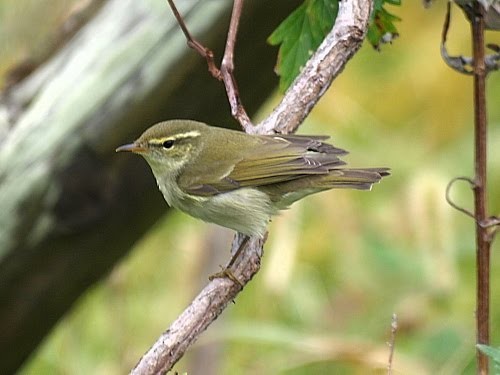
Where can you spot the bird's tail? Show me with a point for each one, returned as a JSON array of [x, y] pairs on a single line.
[[336, 178], [355, 178]]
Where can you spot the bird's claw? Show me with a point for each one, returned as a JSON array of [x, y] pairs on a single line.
[[226, 273]]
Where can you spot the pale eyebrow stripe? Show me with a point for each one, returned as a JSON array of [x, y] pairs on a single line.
[[191, 134]]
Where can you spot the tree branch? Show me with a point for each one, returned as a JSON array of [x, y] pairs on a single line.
[[328, 61], [202, 311]]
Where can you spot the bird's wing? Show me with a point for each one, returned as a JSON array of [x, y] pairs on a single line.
[[275, 159]]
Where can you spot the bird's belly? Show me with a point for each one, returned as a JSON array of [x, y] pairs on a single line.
[[244, 210]]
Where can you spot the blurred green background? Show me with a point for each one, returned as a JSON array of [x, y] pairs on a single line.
[[338, 264]]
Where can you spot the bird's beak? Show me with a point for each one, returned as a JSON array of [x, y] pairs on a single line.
[[131, 147]]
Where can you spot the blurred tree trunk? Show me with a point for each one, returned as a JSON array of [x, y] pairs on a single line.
[[69, 207]]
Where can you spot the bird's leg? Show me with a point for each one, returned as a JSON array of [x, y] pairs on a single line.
[[226, 272]]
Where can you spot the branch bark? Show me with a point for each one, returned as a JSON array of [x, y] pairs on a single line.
[[203, 310], [326, 63]]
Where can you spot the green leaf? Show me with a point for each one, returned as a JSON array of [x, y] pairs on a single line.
[[382, 28], [300, 34], [493, 353]]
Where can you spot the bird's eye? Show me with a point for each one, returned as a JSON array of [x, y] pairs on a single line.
[[168, 143]]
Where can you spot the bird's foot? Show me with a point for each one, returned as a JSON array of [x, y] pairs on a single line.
[[226, 273]]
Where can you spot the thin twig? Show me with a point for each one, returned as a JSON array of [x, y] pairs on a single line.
[[225, 73], [448, 195], [391, 343], [480, 174], [486, 227], [227, 69], [492, 221], [465, 64], [460, 64], [194, 44]]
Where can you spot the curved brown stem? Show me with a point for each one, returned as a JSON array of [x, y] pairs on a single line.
[[194, 44], [448, 195], [483, 242], [225, 73]]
